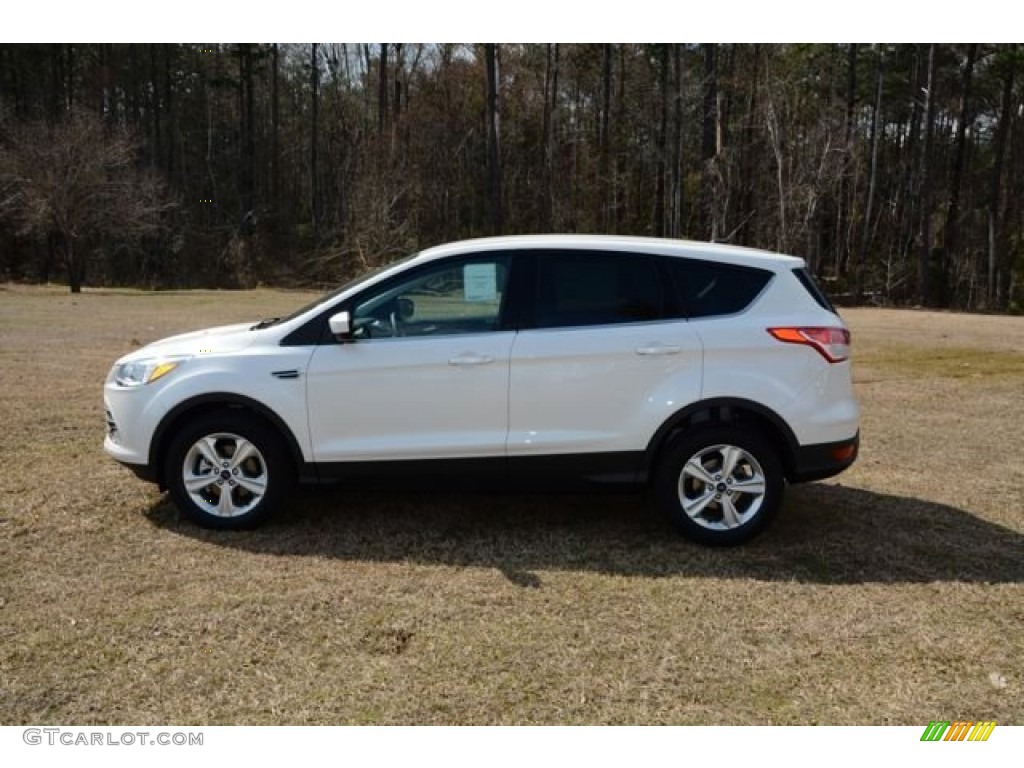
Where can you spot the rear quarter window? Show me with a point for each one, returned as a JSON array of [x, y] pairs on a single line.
[[812, 288], [708, 288]]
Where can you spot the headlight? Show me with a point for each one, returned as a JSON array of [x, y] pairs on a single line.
[[140, 372]]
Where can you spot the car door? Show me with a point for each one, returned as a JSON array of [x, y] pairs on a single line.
[[425, 374], [605, 359]]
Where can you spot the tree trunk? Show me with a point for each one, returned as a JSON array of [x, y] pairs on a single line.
[[676, 219], [367, 69], [71, 77], [925, 250], [382, 90], [842, 239], [169, 111], [724, 101], [275, 123], [603, 179], [709, 125], [314, 187], [74, 264], [154, 105], [547, 196], [493, 140], [133, 79], [57, 80], [399, 64], [248, 171], [908, 193], [661, 143], [995, 190], [865, 241], [951, 234], [1011, 222], [749, 154]]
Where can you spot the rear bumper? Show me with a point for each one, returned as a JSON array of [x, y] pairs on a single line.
[[816, 462]]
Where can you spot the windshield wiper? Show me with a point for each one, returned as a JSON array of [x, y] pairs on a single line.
[[264, 323]]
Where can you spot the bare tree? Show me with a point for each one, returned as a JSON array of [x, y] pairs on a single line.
[[925, 251], [660, 142], [314, 188], [952, 228], [708, 142], [493, 139], [382, 90], [548, 122], [865, 241], [996, 221], [843, 237], [78, 188], [604, 177], [275, 118]]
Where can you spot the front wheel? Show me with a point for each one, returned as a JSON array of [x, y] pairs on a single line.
[[227, 471], [720, 485]]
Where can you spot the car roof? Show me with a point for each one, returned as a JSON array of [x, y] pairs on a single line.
[[732, 254]]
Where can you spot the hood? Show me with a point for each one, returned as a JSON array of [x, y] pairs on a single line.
[[219, 340]]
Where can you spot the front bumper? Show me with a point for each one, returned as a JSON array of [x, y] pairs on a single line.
[[128, 459], [122, 442]]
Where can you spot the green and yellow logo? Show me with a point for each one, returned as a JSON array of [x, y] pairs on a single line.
[[960, 730]]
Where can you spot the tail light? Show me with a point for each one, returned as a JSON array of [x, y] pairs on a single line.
[[831, 343]]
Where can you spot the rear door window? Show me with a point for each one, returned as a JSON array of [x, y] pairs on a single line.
[[580, 288]]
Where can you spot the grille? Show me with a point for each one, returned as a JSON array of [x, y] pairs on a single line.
[[111, 426]]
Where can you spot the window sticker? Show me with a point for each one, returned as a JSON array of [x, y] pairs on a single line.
[[480, 282]]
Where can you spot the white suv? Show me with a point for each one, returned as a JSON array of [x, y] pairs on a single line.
[[715, 374]]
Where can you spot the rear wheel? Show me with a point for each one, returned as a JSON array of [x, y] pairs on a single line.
[[720, 485], [227, 470]]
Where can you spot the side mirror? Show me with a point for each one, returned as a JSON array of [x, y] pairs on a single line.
[[340, 325], [406, 308]]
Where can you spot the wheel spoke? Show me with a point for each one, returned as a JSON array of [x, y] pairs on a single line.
[[196, 483], [243, 450], [729, 515], [694, 507], [257, 486], [730, 456], [753, 486], [226, 505], [695, 469], [207, 447]]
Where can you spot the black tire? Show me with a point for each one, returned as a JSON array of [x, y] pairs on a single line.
[[720, 513], [256, 485]]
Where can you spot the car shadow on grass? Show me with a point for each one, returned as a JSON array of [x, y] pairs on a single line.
[[826, 534]]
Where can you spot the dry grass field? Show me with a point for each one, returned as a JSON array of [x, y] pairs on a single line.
[[894, 594]]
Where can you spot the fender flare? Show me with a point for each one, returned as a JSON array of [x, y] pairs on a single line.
[[210, 401], [720, 410]]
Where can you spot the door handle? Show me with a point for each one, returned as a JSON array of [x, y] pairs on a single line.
[[659, 349], [468, 358]]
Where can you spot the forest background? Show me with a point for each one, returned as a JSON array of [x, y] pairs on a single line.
[[896, 170]]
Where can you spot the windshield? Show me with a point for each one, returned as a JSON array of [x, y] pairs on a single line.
[[336, 292]]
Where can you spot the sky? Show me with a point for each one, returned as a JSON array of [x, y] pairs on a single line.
[[516, 21]]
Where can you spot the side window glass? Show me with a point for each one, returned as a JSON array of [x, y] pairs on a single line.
[[581, 288], [459, 297], [709, 288]]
